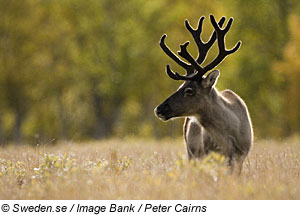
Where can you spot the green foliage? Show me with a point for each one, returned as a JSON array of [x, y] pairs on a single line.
[[213, 166], [60, 166], [289, 68], [85, 69]]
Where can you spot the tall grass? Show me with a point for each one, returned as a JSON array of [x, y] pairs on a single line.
[[143, 169]]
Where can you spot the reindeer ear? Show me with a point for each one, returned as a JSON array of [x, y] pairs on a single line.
[[211, 79]]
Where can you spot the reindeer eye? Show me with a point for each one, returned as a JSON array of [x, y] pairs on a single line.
[[188, 92]]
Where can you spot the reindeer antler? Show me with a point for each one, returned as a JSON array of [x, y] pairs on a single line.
[[194, 69], [203, 48]]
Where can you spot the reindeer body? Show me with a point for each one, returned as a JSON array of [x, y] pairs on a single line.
[[215, 121], [225, 128]]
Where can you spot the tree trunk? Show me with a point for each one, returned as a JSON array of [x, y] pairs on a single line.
[[1, 133], [17, 133], [100, 130]]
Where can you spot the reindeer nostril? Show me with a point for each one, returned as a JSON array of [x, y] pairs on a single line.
[[156, 110]]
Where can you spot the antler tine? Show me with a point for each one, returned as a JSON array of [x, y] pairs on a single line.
[[170, 73], [195, 33], [186, 55], [221, 43], [177, 76], [214, 34], [171, 54], [203, 48]]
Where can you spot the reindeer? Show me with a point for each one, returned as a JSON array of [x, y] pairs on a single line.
[[215, 121]]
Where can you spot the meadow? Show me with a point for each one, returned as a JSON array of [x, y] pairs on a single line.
[[145, 169]]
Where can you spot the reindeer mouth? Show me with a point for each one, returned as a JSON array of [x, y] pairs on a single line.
[[162, 117]]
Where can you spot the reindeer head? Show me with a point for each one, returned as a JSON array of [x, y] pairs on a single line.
[[194, 94]]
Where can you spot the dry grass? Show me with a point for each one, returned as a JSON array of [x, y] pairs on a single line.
[[140, 169]]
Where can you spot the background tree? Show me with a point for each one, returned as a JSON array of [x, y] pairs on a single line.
[[289, 69], [85, 69]]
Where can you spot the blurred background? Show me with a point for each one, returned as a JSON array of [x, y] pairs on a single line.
[[93, 69]]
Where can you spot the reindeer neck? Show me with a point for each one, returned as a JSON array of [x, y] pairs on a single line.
[[212, 114]]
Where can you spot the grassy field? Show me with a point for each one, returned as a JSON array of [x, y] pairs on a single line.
[[143, 169]]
